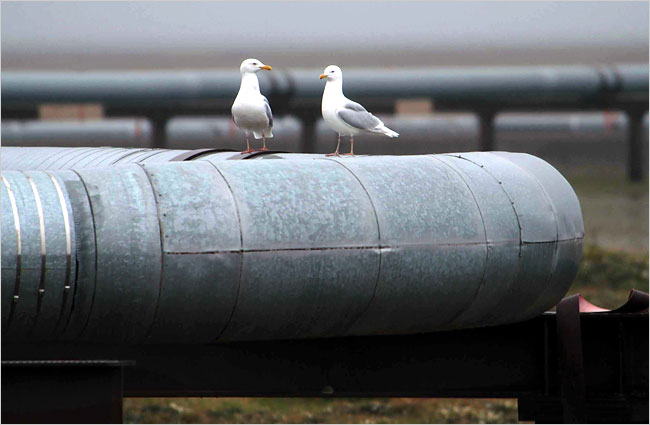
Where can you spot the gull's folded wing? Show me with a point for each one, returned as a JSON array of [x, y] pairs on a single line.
[[356, 115]]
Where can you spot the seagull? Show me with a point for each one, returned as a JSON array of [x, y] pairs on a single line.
[[251, 110], [345, 116]]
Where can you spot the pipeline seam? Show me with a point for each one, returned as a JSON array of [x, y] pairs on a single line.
[[55, 157], [142, 152], [88, 151], [557, 234], [99, 155], [162, 251], [76, 223], [129, 153], [14, 210], [68, 247], [487, 251], [367, 247], [104, 157], [379, 249], [521, 242], [241, 258], [92, 214], [41, 225], [156, 153]]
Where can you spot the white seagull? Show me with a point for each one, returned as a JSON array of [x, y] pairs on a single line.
[[345, 116], [251, 110]]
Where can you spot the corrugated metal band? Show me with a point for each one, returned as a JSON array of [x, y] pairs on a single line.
[[68, 246], [487, 251], [41, 224], [193, 154], [505, 192], [14, 210], [254, 154], [132, 152]]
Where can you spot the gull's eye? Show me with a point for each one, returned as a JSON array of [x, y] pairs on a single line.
[[332, 71], [254, 63]]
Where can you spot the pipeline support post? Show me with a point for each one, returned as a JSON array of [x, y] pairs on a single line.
[[308, 134], [159, 130], [635, 144], [486, 130]]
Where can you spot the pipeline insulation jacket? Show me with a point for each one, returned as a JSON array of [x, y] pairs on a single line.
[[292, 246]]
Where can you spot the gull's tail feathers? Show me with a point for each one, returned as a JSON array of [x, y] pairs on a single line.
[[268, 132], [385, 130]]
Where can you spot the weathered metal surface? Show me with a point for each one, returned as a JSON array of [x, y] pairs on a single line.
[[297, 246], [38, 217], [55, 158]]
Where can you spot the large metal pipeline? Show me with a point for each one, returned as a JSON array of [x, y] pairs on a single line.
[[214, 250]]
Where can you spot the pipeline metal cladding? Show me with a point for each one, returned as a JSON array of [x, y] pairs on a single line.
[[296, 247]]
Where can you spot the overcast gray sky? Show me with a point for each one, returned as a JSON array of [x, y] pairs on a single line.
[[226, 30]]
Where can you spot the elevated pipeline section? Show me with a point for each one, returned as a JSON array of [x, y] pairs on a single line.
[[301, 246]]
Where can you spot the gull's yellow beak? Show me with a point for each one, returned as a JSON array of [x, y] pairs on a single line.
[[323, 76], [268, 68]]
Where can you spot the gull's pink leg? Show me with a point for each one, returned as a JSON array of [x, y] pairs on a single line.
[[336, 152], [264, 148], [351, 147], [248, 147]]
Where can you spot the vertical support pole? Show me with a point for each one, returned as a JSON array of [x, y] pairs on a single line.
[[158, 131], [486, 130], [308, 135], [570, 360], [635, 144]]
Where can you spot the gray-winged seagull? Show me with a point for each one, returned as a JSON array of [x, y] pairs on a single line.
[[251, 110], [345, 116]]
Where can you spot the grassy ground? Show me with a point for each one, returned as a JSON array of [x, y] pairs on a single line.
[[302, 410], [615, 261]]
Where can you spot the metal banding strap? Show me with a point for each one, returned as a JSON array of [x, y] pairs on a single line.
[[14, 210], [253, 154], [41, 223], [66, 227], [191, 155], [68, 238]]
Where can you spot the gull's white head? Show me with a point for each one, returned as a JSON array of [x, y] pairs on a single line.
[[253, 65], [332, 72]]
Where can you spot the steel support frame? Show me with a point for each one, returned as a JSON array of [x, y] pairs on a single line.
[[55, 391], [510, 361]]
